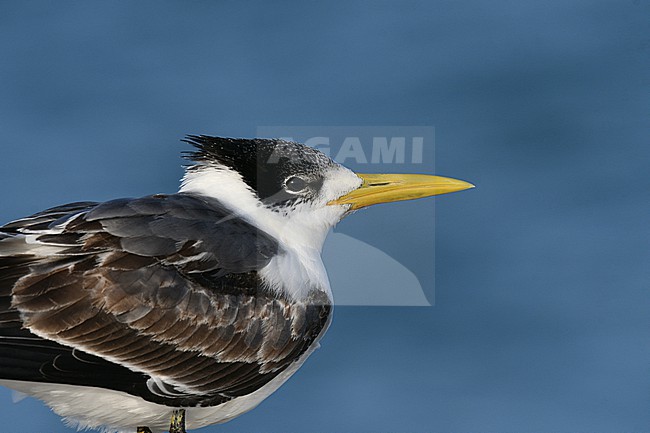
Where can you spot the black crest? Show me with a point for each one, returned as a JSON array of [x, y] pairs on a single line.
[[264, 164]]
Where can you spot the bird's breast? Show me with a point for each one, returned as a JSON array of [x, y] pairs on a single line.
[[297, 273]]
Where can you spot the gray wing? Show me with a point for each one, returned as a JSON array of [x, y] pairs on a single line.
[[164, 287]]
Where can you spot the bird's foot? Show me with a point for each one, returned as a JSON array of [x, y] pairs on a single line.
[[177, 424]]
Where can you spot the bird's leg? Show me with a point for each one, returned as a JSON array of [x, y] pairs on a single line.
[[177, 424], [143, 430]]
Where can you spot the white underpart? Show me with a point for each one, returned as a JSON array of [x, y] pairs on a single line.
[[301, 233], [113, 411]]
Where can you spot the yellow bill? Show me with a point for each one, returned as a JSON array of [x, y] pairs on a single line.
[[385, 188]]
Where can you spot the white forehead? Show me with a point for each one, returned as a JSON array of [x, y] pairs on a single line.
[[338, 181]]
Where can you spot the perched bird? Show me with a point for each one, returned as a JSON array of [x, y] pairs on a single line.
[[119, 314]]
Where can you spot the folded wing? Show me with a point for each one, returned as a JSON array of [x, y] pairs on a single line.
[[157, 296]]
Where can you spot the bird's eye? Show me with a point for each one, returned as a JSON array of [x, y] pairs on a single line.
[[295, 184]]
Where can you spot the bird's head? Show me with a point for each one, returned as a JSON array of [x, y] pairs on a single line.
[[293, 191]]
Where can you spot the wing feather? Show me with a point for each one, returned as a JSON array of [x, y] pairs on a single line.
[[160, 292]]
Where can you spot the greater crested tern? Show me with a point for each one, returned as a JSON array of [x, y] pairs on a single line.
[[118, 314]]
